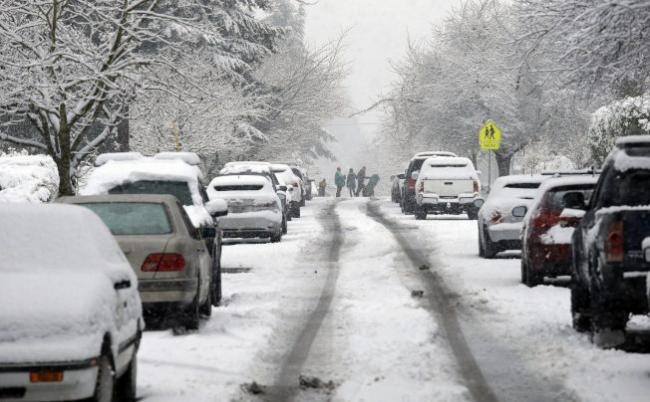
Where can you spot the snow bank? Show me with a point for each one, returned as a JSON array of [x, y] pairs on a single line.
[[28, 178]]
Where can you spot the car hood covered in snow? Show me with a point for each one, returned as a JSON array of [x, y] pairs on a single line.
[[36, 308]]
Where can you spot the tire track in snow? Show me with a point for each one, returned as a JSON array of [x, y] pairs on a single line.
[[505, 376], [436, 293], [287, 385]]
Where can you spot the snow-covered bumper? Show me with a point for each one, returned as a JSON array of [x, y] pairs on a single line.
[[505, 232], [248, 225], [436, 203], [178, 290], [64, 381]]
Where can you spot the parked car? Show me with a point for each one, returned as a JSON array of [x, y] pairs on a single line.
[[70, 314], [609, 266], [396, 188], [549, 225], [447, 185], [305, 182], [164, 176], [408, 202], [168, 254], [498, 229], [255, 210], [289, 177]]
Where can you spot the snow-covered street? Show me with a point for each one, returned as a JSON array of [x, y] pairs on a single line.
[[338, 312]]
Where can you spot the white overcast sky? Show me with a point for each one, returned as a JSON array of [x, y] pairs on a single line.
[[378, 34]]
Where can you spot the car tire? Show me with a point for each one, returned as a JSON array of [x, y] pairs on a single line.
[[490, 249], [127, 384], [528, 278], [296, 211], [472, 214], [289, 214], [105, 388], [276, 238], [206, 308], [481, 248], [302, 202], [580, 307], [608, 322], [192, 314], [420, 214], [216, 282]]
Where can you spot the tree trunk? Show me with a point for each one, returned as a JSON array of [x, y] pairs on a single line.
[[503, 163], [64, 161]]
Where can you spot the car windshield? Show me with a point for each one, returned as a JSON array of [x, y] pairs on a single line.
[[179, 189], [133, 219]]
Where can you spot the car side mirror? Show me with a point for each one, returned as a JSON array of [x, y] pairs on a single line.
[[124, 284], [478, 203], [519, 212], [401, 176], [282, 188], [217, 208], [415, 175], [208, 232]]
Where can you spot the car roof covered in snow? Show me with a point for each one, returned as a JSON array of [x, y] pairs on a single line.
[[117, 156], [114, 173], [633, 139], [247, 163], [190, 158], [239, 180], [244, 168], [39, 237], [519, 178], [555, 182], [447, 161], [146, 198], [427, 154]]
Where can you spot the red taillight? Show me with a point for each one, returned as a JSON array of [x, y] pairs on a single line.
[[477, 186], [615, 246], [546, 219], [163, 262], [411, 184]]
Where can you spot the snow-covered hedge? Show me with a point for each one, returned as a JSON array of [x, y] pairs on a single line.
[[629, 116], [27, 178]]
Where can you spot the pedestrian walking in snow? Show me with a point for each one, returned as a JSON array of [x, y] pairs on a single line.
[[339, 180], [322, 185], [351, 182], [361, 180]]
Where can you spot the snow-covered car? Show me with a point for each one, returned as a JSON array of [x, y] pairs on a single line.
[[70, 313], [28, 178], [254, 208], [549, 225], [498, 229], [289, 177], [408, 202], [609, 261], [174, 267], [447, 185]]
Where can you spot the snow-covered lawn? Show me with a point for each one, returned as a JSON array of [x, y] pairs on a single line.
[[534, 323], [211, 364]]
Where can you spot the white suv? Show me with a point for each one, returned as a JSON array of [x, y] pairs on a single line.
[[447, 185]]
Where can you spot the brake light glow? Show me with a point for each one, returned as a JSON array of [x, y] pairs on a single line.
[[615, 247], [163, 262]]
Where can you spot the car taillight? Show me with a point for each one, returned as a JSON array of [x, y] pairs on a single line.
[[411, 184], [477, 186], [615, 246], [546, 218], [163, 262]]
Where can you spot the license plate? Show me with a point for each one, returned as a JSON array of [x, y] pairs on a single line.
[[46, 376]]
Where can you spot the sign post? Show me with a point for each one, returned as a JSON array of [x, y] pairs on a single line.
[[489, 138]]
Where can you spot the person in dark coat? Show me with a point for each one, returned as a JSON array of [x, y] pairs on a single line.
[[361, 180], [339, 180], [351, 182]]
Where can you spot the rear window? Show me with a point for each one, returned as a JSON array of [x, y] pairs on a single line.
[[133, 219], [239, 187], [554, 199], [449, 165], [630, 188], [179, 189], [523, 185], [416, 165]]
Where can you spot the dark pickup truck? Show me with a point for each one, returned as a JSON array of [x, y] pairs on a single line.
[[609, 266]]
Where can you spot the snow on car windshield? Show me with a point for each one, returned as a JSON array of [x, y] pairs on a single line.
[[131, 218]]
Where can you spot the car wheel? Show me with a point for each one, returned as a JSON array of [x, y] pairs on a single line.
[[296, 211], [530, 278], [490, 249], [302, 202], [608, 322], [127, 384], [216, 281], [206, 308], [289, 214], [420, 214], [192, 316], [472, 214], [481, 249], [276, 238], [580, 307], [105, 388]]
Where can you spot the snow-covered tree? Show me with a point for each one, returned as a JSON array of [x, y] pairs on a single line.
[[71, 68]]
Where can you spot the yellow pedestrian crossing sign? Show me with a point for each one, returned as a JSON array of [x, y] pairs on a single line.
[[489, 138]]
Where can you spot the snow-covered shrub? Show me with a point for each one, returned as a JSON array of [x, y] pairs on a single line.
[[27, 178], [538, 157], [629, 116]]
